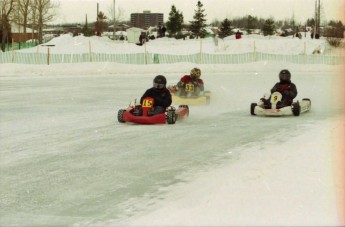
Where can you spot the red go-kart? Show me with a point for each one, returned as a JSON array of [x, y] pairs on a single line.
[[139, 113]]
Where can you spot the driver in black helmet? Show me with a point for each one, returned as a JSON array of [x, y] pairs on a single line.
[[160, 94], [285, 87]]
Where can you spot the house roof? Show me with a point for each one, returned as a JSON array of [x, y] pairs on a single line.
[[15, 28]]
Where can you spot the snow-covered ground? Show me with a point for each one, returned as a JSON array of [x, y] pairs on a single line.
[[65, 160]]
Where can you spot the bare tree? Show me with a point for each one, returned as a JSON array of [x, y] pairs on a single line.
[[116, 15], [6, 13], [24, 11], [45, 13]]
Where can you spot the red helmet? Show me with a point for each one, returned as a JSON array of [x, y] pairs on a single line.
[[195, 73]]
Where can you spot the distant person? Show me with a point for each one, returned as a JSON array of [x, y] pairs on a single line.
[[285, 87], [142, 38], [238, 34], [160, 94], [159, 32], [215, 39], [190, 85], [164, 29]]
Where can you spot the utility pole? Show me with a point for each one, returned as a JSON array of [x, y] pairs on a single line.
[[114, 30], [97, 22], [319, 20]]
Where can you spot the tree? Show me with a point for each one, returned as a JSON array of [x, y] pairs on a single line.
[[45, 13], [24, 11], [198, 24], [335, 29], [7, 6], [86, 31], [225, 29], [101, 23], [251, 22], [116, 16], [175, 21], [268, 27]]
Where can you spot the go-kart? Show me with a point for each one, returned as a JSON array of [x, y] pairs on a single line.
[[188, 97], [271, 105], [140, 113]]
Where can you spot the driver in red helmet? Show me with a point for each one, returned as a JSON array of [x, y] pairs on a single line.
[[190, 85]]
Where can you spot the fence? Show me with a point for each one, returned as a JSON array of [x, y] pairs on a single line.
[[154, 58], [18, 46]]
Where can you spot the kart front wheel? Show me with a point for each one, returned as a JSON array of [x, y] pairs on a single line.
[[120, 116], [296, 108], [252, 108]]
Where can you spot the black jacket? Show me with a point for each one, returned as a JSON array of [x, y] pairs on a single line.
[[162, 97], [287, 89]]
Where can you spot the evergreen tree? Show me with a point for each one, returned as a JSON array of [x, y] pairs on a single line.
[[198, 24], [175, 21], [101, 23], [86, 31], [251, 21], [335, 29], [225, 29], [268, 28]]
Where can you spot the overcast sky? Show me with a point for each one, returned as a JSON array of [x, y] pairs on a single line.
[[75, 10]]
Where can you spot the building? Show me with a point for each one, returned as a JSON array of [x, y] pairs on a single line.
[[146, 19], [18, 36]]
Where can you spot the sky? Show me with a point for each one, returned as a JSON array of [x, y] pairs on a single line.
[[75, 10], [66, 160]]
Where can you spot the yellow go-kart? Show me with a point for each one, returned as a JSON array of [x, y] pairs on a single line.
[[187, 96]]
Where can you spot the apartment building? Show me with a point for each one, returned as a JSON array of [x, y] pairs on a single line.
[[146, 19]]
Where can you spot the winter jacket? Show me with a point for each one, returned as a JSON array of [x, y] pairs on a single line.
[[288, 91], [162, 97], [186, 79]]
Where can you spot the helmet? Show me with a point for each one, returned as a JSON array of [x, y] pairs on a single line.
[[284, 75], [159, 82], [195, 73]]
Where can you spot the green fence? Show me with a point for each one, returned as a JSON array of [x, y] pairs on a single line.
[[18, 46], [154, 58]]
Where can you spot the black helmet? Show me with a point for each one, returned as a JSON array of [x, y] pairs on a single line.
[[159, 82], [284, 75]]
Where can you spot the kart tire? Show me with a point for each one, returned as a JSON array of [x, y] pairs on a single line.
[[207, 93], [208, 99], [296, 108], [185, 106], [252, 108], [120, 116], [306, 99], [171, 117]]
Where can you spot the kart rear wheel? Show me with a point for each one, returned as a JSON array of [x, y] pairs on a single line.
[[296, 108], [207, 94], [306, 99], [185, 106], [171, 117], [252, 107], [120, 116]]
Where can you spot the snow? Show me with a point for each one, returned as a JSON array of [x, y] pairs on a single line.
[[66, 161]]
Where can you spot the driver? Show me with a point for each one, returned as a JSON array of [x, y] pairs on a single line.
[[160, 94], [285, 87], [191, 85]]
